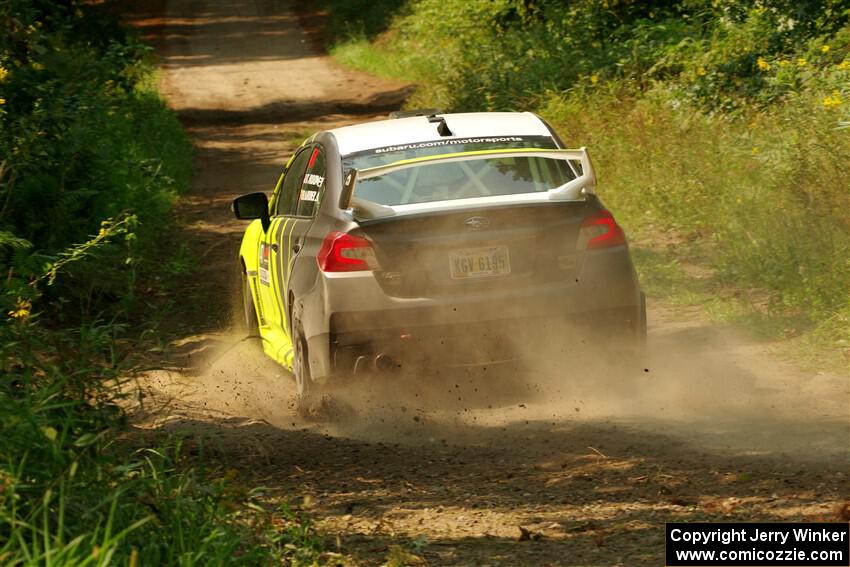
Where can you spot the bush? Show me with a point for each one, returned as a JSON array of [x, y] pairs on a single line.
[[496, 55], [90, 163], [84, 137]]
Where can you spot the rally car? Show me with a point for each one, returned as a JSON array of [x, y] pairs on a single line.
[[432, 239]]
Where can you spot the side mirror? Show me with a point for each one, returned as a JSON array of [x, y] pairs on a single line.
[[252, 206]]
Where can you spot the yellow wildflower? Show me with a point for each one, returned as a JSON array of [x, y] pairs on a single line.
[[763, 64], [22, 309], [701, 71], [3, 72], [833, 101], [2, 101], [801, 62], [594, 79], [783, 62], [755, 151], [844, 65], [824, 49]]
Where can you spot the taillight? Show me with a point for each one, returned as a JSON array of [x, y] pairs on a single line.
[[600, 230], [343, 252]]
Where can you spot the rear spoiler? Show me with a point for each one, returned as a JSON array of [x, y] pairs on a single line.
[[585, 183]]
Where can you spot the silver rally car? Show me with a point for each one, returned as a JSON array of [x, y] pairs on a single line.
[[433, 239]]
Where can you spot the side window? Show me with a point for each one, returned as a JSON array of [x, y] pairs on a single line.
[[313, 184], [288, 197]]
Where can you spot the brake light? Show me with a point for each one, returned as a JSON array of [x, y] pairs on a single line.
[[343, 252], [601, 231]]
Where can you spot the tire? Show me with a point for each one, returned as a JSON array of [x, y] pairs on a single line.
[[305, 389], [252, 324]]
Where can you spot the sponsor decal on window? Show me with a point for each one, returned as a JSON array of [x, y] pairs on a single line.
[[313, 179], [451, 142], [309, 195]]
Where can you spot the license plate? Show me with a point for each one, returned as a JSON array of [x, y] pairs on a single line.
[[479, 262]]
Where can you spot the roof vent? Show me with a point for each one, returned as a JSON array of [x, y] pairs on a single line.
[[442, 127], [415, 112]]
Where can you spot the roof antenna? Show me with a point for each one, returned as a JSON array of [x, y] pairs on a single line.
[[442, 127]]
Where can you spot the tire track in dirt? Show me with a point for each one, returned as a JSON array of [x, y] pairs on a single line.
[[590, 466]]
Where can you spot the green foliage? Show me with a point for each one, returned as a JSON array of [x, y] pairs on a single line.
[[90, 163], [365, 18], [69, 495], [84, 137], [501, 54]]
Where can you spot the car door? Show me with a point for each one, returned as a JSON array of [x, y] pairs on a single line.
[[272, 258]]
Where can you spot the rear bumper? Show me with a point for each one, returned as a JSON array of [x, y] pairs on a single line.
[[352, 310], [480, 342]]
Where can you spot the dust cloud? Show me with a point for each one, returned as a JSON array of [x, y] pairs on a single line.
[[696, 388], [698, 384]]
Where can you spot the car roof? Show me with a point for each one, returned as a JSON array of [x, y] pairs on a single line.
[[393, 132]]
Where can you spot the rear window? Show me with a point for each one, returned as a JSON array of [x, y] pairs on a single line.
[[459, 180]]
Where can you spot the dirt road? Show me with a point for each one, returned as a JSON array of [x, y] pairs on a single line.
[[589, 466]]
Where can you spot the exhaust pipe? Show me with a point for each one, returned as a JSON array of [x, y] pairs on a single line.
[[383, 363], [380, 362]]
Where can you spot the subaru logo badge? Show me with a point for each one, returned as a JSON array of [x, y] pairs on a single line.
[[476, 223]]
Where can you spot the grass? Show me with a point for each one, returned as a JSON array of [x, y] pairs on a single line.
[[672, 279], [745, 208], [361, 54]]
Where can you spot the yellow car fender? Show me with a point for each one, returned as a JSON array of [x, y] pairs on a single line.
[[249, 251]]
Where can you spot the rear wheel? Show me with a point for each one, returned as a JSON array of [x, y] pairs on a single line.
[[250, 320]]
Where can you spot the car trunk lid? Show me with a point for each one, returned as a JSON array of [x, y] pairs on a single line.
[[478, 250]]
